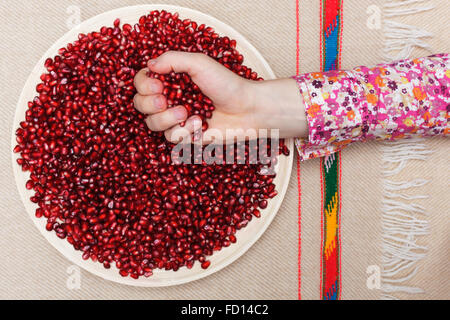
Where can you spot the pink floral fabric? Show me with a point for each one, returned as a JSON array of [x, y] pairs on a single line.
[[387, 102]]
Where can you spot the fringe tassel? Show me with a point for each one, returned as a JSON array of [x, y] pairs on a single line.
[[398, 153], [403, 220], [401, 224], [401, 39], [397, 8]]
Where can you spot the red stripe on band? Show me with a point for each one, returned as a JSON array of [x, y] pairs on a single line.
[[297, 5]]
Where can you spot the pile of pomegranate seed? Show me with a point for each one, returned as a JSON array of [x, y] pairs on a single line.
[[104, 181]]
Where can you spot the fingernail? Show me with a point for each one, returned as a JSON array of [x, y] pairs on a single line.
[[158, 101], [152, 62], [180, 114], [154, 87]]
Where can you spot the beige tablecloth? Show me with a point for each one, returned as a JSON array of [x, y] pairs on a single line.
[[30, 268]]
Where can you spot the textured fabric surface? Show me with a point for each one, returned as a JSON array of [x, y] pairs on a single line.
[[434, 271], [31, 268], [362, 177]]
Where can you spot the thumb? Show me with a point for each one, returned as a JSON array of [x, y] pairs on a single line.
[[210, 76], [178, 61]]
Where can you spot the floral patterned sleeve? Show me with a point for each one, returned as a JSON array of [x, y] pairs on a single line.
[[388, 102]]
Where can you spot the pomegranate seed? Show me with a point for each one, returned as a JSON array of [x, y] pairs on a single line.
[[263, 204]]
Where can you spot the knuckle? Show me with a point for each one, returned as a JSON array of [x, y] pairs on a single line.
[[136, 101], [136, 81], [168, 55], [139, 87]]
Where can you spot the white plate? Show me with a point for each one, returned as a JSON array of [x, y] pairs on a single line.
[[246, 237]]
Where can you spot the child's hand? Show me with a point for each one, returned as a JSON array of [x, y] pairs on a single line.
[[240, 103]]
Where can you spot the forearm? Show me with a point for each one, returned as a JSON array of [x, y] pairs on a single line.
[[277, 104]]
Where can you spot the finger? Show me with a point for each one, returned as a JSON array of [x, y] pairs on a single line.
[[167, 119], [178, 134], [179, 61], [154, 103], [146, 85]]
